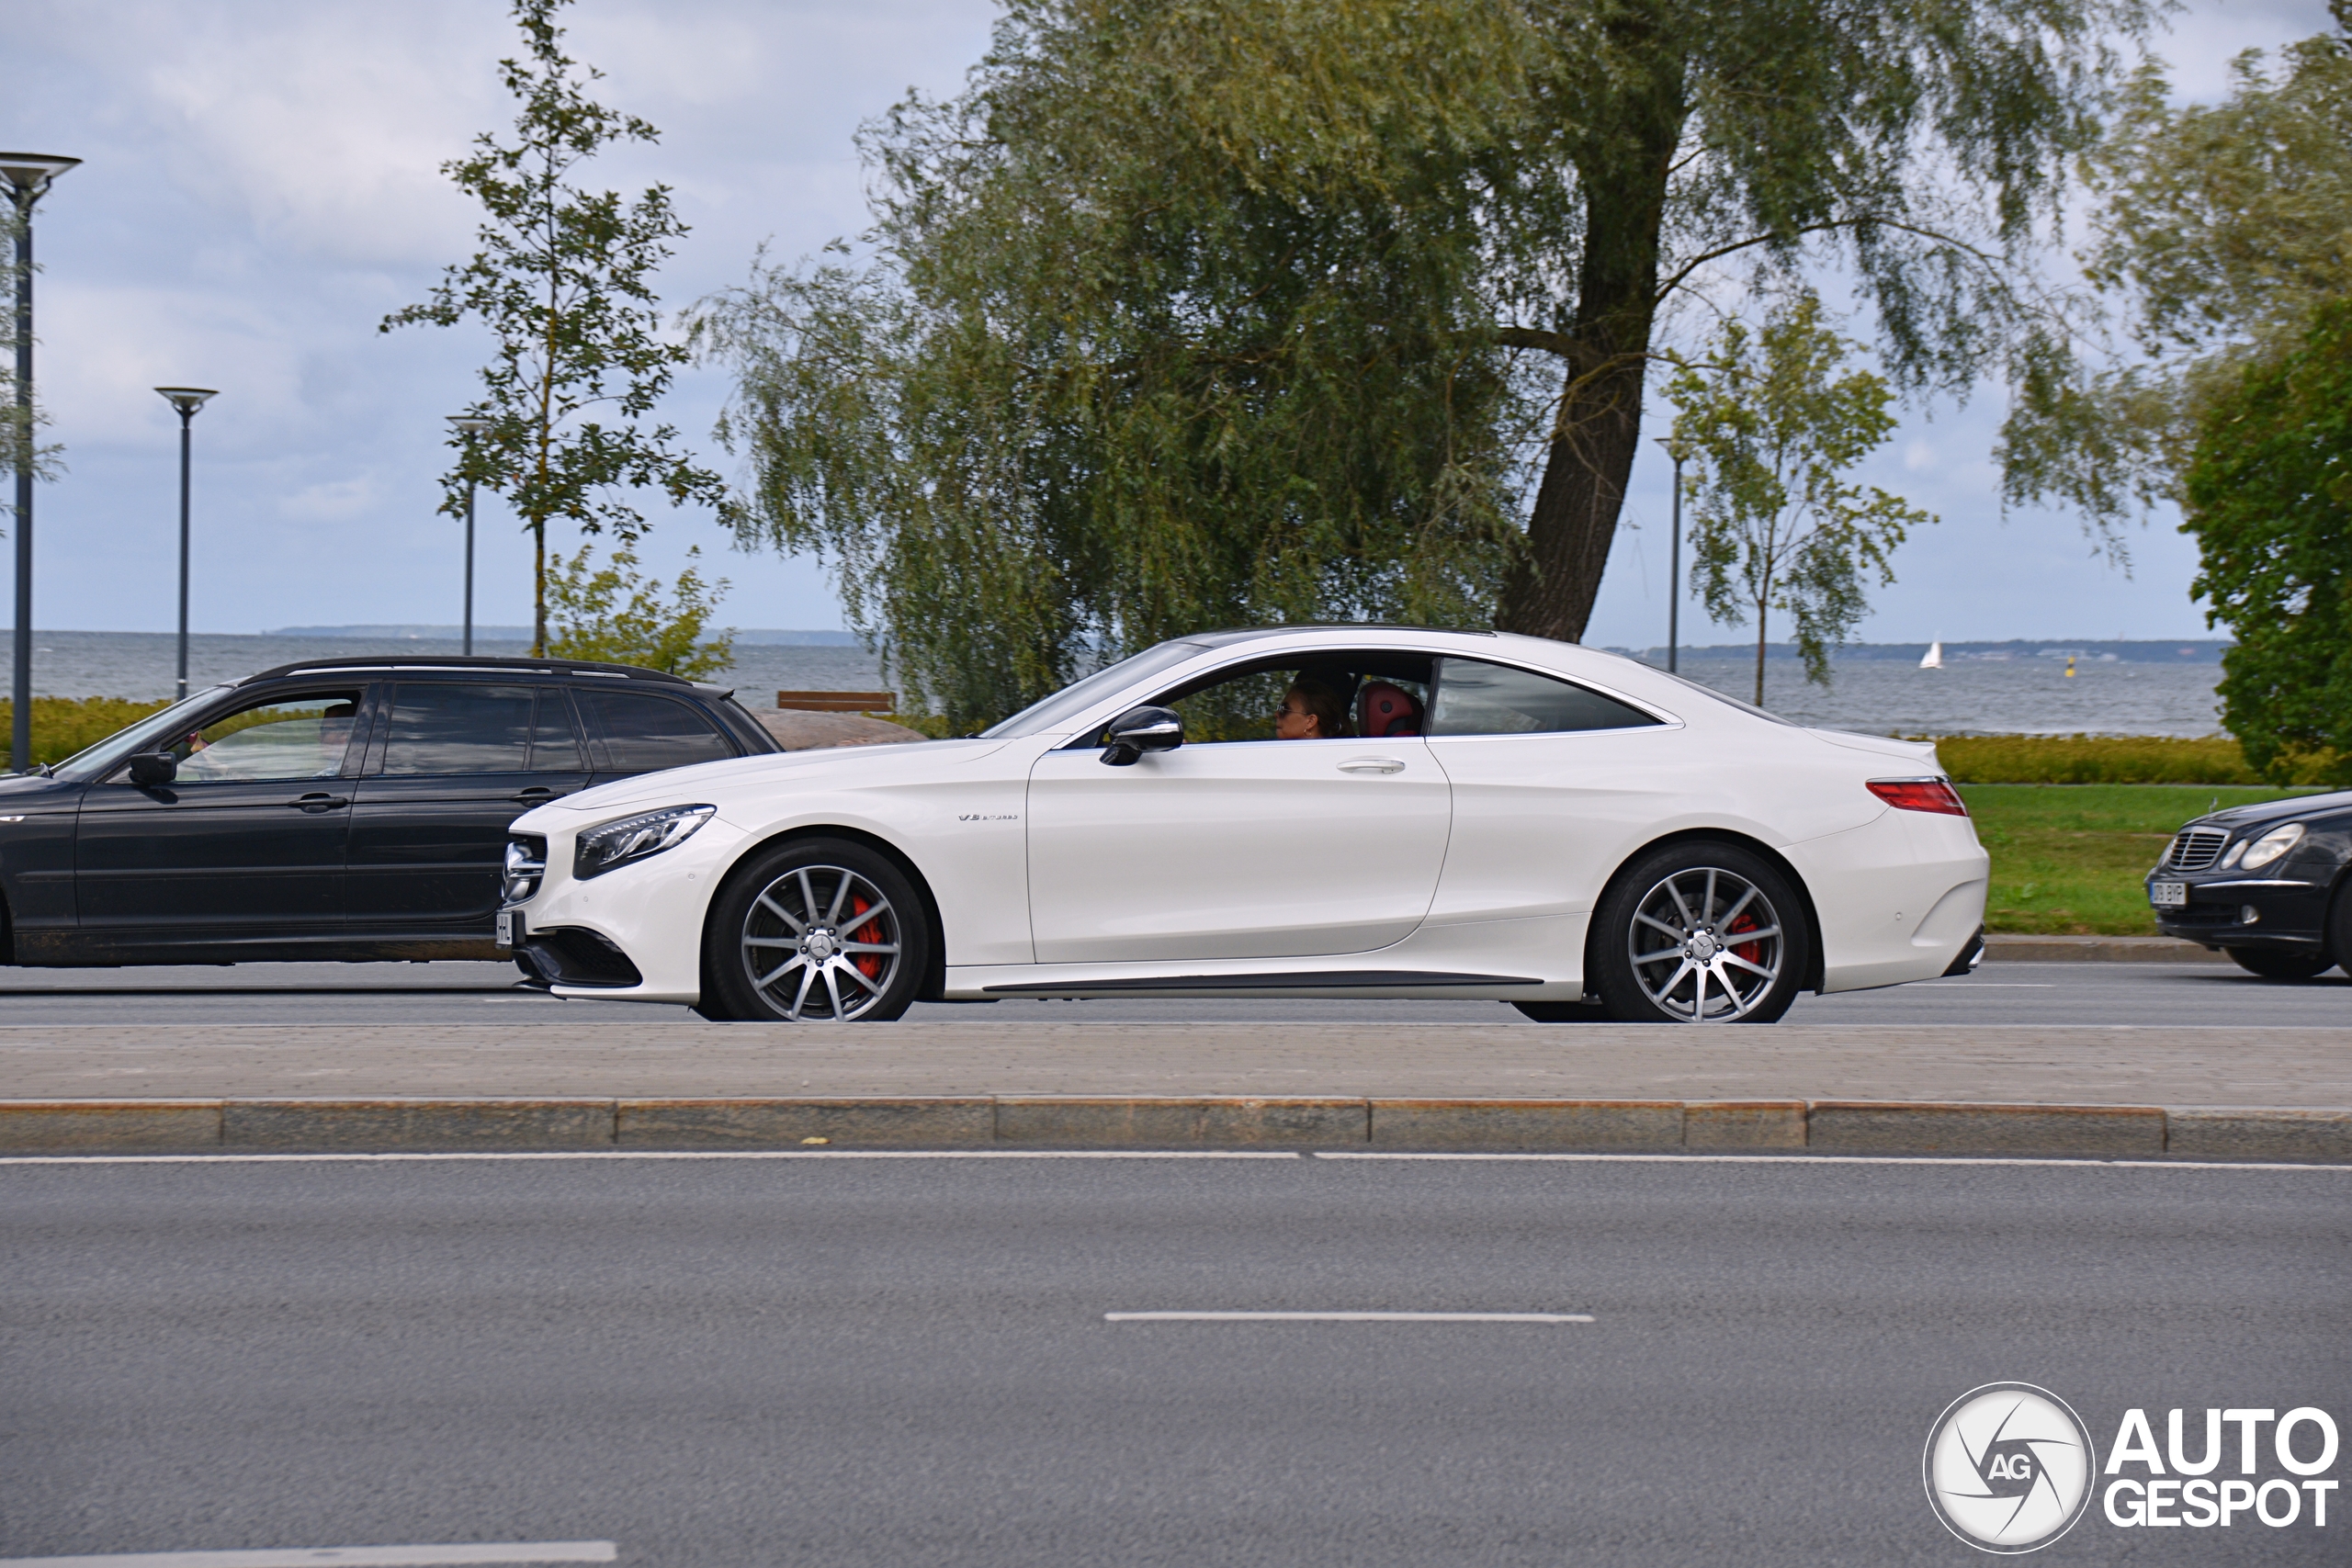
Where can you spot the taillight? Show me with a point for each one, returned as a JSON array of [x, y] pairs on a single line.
[[1919, 795]]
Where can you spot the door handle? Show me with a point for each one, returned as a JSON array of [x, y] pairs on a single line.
[[537, 794], [315, 804], [1371, 766]]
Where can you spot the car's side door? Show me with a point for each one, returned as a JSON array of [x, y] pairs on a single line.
[[453, 763], [247, 842], [1551, 780], [636, 731], [1234, 848]]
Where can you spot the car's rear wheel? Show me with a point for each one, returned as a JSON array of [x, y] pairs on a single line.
[[1700, 932], [2275, 965], [821, 929]]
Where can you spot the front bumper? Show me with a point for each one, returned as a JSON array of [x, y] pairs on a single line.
[[2288, 909]]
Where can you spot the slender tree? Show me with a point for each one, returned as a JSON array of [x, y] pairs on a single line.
[[20, 443], [563, 282], [1773, 427]]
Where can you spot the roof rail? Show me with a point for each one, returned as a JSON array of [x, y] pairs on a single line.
[[422, 662]]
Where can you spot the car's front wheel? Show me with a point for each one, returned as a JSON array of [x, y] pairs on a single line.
[[1700, 932], [2273, 965], [817, 930]]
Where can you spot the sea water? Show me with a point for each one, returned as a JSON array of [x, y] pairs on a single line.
[[1882, 696]]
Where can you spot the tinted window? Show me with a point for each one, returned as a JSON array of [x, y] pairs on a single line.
[[295, 738], [643, 732], [1475, 698], [458, 729]]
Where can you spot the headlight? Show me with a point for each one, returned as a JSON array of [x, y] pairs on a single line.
[[526, 862], [634, 838], [2273, 844]]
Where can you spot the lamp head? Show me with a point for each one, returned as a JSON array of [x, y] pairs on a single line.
[[187, 400], [31, 173], [1676, 447], [470, 424]]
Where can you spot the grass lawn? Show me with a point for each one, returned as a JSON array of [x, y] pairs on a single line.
[[2068, 859]]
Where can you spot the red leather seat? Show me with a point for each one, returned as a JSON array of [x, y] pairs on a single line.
[[1383, 710]]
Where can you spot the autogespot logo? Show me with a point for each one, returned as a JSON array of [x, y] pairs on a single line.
[[2009, 1467]]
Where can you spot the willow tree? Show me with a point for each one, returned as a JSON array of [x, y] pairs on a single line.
[[1688, 150], [1195, 312], [1174, 324], [2221, 231]]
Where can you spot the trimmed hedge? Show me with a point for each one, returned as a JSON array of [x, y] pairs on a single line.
[[2093, 758], [62, 726]]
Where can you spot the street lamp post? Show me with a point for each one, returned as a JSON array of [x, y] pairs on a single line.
[[1679, 450], [187, 400], [29, 176], [470, 426]]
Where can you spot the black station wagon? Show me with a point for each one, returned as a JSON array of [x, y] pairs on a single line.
[[2270, 885], [346, 809]]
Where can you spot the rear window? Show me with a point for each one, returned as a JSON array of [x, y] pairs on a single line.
[[643, 733], [1477, 698]]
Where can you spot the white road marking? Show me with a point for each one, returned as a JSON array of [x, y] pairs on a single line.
[[1989, 984], [342, 1556], [514, 1155], [1347, 1317]]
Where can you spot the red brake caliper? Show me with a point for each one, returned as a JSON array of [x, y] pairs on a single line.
[[1751, 951], [867, 964]]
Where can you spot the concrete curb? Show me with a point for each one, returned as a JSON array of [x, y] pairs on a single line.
[[2098, 950], [1820, 1126]]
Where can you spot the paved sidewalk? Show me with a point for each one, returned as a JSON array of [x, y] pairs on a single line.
[[2305, 1068], [2061, 1091]]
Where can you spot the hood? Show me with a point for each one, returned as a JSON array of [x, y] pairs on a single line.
[[1914, 753], [2302, 806], [715, 781], [22, 792]]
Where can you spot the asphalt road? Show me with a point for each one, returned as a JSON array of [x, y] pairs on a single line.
[[737, 1363], [2218, 994]]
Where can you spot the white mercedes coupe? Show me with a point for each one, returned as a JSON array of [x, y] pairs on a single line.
[[1467, 815]]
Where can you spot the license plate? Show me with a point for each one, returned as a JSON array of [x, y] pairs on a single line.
[[2168, 895], [509, 927]]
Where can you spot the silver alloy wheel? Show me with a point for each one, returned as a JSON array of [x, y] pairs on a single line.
[[1706, 946], [820, 942]]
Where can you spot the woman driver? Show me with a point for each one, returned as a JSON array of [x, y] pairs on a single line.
[[1310, 710]]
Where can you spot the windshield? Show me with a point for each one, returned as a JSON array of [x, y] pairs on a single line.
[[139, 737], [1040, 718]]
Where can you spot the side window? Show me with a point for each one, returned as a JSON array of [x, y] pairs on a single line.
[[1351, 694], [644, 733], [457, 727], [1477, 698], [293, 738]]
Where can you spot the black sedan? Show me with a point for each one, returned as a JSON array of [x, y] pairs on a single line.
[[351, 808], [2265, 883]]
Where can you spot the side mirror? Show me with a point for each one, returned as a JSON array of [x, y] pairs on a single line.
[[148, 769], [1138, 730]]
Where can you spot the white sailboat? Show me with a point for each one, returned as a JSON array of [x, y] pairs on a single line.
[[1935, 659]]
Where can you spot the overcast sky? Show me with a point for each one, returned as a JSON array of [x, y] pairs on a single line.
[[260, 187]]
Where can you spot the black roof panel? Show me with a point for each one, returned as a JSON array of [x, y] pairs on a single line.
[[463, 665]]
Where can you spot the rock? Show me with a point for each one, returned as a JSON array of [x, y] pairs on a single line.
[[796, 730]]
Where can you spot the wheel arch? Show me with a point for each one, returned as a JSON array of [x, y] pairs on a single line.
[[1816, 967], [935, 980]]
